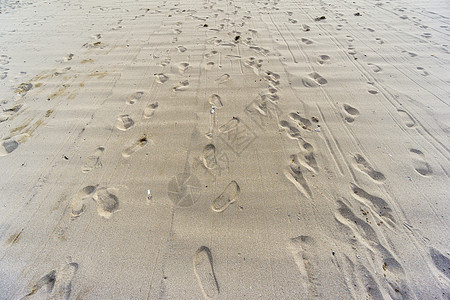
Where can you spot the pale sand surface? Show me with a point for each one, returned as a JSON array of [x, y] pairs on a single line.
[[287, 157]]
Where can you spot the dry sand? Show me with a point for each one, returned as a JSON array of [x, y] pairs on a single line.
[[224, 149]]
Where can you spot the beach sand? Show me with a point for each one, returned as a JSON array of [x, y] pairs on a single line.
[[224, 149]]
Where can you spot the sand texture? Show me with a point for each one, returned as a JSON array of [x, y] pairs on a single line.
[[224, 149]]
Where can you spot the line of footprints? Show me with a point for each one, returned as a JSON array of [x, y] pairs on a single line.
[[106, 199]]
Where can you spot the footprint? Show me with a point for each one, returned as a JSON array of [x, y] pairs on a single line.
[[68, 57], [310, 160], [369, 284], [93, 161], [211, 53], [292, 131], [360, 228], [124, 122], [107, 202], [317, 19], [8, 146], [305, 27], [420, 165], [306, 41], [260, 50], [209, 156], [181, 86], [379, 41], [150, 110], [272, 78], [223, 78], [164, 62], [411, 54], [373, 92], [313, 79], [227, 197], [215, 100], [182, 67], [441, 262], [375, 68], [378, 205], [136, 146], [229, 126], [295, 175], [351, 113], [78, 201], [407, 119], [63, 280], [362, 232], [271, 96], [365, 167], [322, 59], [352, 51], [134, 97], [4, 59], [204, 271], [422, 71], [209, 65], [23, 88], [9, 112], [181, 49], [58, 283], [161, 78], [255, 64], [303, 252], [48, 281], [304, 123], [260, 109]]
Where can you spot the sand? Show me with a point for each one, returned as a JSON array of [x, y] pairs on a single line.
[[224, 150]]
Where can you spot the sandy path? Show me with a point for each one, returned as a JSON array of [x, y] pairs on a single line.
[[233, 150]]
